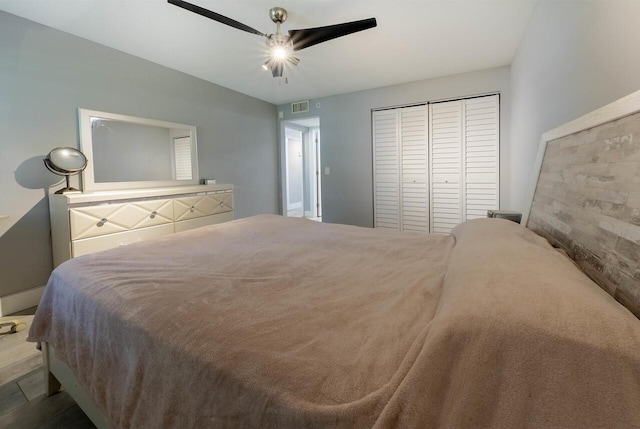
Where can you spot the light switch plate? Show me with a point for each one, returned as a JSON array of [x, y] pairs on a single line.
[[327, 171]]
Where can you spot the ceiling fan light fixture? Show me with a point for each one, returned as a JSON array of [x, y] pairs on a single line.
[[279, 53], [293, 60], [279, 47], [277, 69]]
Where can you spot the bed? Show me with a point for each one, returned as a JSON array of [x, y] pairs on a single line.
[[276, 322]]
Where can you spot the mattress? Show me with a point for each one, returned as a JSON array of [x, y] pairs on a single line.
[[276, 322]]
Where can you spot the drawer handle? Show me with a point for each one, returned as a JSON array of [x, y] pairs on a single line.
[[153, 214], [221, 204], [102, 222], [192, 209]]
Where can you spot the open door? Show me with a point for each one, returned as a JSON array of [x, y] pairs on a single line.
[[300, 178], [294, 173]]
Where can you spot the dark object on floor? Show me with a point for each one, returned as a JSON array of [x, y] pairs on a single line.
[[11, 326], [503, 214]]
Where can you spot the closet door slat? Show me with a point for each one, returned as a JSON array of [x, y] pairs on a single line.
[[481, 167], [414, 153], [386, 170], [445, 165]]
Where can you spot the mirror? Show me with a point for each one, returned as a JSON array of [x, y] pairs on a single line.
[[128, 152], [65, 161]]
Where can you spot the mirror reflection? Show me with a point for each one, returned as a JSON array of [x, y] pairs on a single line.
[[127, 152]]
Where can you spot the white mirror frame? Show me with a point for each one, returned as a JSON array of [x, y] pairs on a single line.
[[88, 178]]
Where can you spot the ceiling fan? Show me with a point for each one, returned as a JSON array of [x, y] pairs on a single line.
[[282, 46]]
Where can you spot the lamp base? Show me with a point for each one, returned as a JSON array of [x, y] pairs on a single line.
[[68, 191]]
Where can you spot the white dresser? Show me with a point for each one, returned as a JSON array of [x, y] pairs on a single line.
[[94, 221]]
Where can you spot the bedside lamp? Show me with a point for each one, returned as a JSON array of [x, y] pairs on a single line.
[[66, 161]]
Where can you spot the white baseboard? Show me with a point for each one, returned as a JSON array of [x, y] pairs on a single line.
[[19, 301], [294, 206], [308, 213]]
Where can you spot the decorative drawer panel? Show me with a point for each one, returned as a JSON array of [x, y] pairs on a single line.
[[91, 222], [105, 219], [185, 225], [224, 203], [153, 212], [98, 244], [202, 205]]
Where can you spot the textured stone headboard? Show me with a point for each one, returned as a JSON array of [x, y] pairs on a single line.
[[586, 198]]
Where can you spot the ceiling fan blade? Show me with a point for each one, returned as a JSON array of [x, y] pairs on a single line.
[[215, 16], [312, 36]]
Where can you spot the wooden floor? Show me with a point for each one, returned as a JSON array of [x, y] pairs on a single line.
[[300, 213], [295, 213], [22, 401]]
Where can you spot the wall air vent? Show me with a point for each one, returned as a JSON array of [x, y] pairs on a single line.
[[300, 107]]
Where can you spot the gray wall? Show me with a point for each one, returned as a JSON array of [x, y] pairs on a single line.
[[574, 57], [45, 75], [345, 127]]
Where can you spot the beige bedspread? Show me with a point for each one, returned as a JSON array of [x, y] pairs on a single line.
[[274, 322]]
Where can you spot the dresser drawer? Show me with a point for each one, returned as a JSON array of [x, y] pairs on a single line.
[[202, 205], [93, 221], [185, 225], [97, 244], [90, 222]]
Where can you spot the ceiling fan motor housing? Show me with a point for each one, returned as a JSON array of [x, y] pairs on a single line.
[[280, 41], [278, 14]]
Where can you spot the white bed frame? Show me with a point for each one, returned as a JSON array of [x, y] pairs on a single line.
[[57, 372]]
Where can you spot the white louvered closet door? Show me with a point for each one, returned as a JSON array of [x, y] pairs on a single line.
[[414, 154], [481, 156], [436, 167], [386, 169], [445, 125], [464, 142]]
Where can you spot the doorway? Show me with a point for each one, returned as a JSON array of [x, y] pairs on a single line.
[[300, 177], [294, 172]]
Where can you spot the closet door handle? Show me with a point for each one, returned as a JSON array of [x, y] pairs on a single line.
[[102, 222]]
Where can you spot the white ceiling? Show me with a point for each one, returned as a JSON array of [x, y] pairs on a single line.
[[414, 39]]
